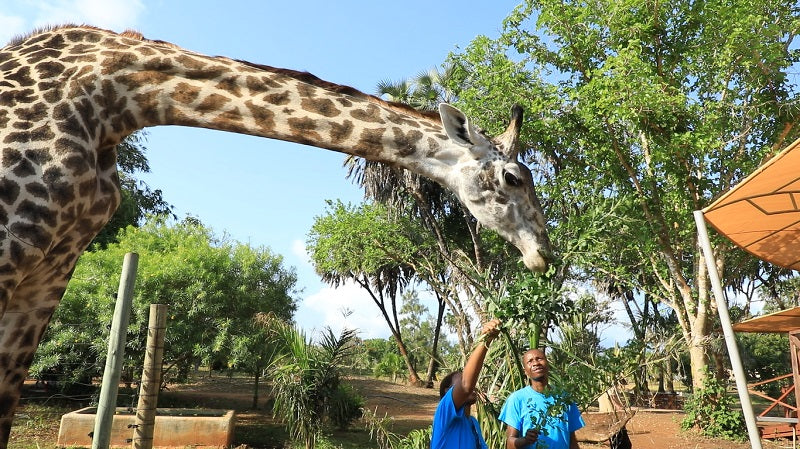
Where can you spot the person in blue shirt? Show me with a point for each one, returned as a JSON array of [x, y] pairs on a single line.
[[536, 416], [453, 425]]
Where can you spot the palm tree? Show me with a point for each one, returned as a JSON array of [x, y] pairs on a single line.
[[306, 379]]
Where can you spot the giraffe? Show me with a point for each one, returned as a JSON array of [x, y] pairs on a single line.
[[69, 94]]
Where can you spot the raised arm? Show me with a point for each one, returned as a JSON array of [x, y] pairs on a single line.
[[469, 376]]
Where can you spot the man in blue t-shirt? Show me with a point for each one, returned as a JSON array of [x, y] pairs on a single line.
[[453, 425], [535, 416]]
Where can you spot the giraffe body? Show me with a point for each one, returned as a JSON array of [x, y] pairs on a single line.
[[68, 95]]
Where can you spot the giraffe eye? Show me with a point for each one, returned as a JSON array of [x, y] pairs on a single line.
[[511, 179]]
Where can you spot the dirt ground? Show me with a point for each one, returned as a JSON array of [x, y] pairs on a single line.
[[412, 408]]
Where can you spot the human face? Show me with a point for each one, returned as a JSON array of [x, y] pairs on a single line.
[[535, 364]]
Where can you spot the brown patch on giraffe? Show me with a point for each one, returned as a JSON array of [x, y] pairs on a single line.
[[213, 102], [321, 106], [185, 93], [74, 156], [406, 142], [340, 132], [35, 113], [371, 114], [31, 231], [9, 192], [61, 191], [40, 134], [306, 90], [257, 83], [116, 61], [344, 102], [370, 142], [10, 157], [37, 190], [148, 107], [134, 80], [20, 77], [304, 129], [401, 120], [19, 96], [278, 99], [231, 85], [264, 118], [24, 168]]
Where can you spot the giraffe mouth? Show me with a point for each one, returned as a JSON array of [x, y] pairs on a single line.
[[538, 258]]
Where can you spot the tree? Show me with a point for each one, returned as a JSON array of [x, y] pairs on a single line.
[[213, 290], [306, 379], [367, 246], [644, 112]]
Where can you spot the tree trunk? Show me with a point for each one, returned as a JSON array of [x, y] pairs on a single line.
[[413, 377], [255, 390], [433, 363], [697, 357], [669, 376]]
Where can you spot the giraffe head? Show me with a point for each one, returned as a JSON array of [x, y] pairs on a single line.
[[496, 188]]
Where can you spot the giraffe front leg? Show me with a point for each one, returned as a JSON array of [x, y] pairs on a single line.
[[21, 330]]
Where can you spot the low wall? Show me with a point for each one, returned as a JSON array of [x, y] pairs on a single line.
[[174, 428]]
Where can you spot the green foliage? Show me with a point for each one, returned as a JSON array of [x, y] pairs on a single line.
[[213, 290], [766, 356], [532, 305], [714, 412], [645, 109], [345, 406], [416, 439], [390, 365], [306, 380]]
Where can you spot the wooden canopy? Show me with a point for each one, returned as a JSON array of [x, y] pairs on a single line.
[[762, 213], [784, 321]]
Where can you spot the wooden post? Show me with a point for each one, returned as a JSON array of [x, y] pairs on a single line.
[[151, 378], [107, 405], [794, 350]]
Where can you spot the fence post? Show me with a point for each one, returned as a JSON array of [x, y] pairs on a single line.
[[107, 405], [151, 378]]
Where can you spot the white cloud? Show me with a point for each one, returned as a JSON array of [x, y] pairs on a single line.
[[327, 307], [26, 15]]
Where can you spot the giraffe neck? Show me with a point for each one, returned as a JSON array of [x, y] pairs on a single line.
[[134, 83]]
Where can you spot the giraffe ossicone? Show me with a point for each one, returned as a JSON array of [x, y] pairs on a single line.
[[69, 94]]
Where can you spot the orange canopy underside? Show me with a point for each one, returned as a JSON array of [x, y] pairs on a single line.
[[762, 213], [778, 322]]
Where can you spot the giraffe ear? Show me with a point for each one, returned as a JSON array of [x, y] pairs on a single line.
[[458, 128]]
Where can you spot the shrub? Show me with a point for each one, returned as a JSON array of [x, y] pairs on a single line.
[[713, 412], [344, 406]]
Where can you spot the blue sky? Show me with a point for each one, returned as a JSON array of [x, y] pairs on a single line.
[[260, 191]]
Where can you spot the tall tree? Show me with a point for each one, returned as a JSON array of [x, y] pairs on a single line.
[[644, 111], [367, 246]]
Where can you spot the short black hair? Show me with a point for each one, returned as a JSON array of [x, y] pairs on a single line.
[[446, 383]]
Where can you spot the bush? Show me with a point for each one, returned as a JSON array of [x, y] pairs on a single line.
[[714, 412], [345, 406]]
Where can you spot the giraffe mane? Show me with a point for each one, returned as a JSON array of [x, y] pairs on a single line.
[[312, 79]]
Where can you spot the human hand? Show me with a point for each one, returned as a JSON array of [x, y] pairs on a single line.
[[490, 330], [530, 436]]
